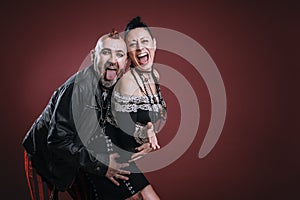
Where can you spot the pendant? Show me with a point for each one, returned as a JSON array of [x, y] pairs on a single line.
[[103, 130], [104, 95], [154, 99]]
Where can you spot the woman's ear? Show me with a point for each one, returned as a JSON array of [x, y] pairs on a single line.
[[154, 44]]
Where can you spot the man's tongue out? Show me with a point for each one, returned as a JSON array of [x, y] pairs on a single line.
[[110, 74]]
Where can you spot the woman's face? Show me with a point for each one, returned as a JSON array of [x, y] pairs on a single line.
[[141, 48]]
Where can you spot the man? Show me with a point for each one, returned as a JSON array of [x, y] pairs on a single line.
[[56, 155]]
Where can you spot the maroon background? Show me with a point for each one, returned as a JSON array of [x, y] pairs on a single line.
[[254, 46]]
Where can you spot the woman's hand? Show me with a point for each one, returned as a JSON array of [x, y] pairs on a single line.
[[146, 148], [152, 137]]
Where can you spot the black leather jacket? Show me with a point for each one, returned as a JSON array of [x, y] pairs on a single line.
[[56, 142]]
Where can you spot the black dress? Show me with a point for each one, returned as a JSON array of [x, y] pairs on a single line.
[[123, 135]]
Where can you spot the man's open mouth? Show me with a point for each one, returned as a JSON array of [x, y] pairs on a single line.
[[143, 58], [110, 74]]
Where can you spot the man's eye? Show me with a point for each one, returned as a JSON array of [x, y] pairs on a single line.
[[132, 44], [105, 52], [120, 55], [145, 41]]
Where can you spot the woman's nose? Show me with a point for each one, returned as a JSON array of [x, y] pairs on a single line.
[[138, 46]]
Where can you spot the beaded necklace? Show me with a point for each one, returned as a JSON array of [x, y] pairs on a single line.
[[145, 91], [104, 107]]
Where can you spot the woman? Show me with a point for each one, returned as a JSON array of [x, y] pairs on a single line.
[[138, 109], [137, 101]]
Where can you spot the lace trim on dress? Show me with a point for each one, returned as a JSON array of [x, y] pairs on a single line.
[[133, 103]]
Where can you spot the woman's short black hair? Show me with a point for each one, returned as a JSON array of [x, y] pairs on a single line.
[[136, 23]]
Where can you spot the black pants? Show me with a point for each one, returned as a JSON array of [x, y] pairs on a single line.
[[42, 190]]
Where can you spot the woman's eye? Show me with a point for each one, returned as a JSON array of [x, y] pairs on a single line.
[[145, 41], [132, 44]]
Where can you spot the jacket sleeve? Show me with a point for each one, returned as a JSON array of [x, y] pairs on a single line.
[[63, 139]]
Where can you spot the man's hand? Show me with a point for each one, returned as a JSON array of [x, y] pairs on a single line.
[[114, 169], [143, 150]]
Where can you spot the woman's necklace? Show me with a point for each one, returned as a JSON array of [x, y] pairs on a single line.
[[144, 79], [145, 82]]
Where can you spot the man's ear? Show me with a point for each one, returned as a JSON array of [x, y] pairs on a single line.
[[154, 42], [92, 55]]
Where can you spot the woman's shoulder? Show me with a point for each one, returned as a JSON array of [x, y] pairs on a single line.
[[126, 84]]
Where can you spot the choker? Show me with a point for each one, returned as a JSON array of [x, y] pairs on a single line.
[[141, 71]]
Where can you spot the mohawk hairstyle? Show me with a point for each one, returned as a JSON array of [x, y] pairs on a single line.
[[136, 23], [114, 34]]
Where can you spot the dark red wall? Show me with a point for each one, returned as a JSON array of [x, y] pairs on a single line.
[[254, 45]]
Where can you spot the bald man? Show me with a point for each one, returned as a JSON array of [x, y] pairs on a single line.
[[56, 153]]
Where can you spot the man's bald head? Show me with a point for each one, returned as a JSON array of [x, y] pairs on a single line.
[[109, 58]]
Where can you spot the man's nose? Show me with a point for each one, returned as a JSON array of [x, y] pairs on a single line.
[[113, 58]]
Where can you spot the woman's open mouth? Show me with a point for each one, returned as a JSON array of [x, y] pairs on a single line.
[[143, 58]]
